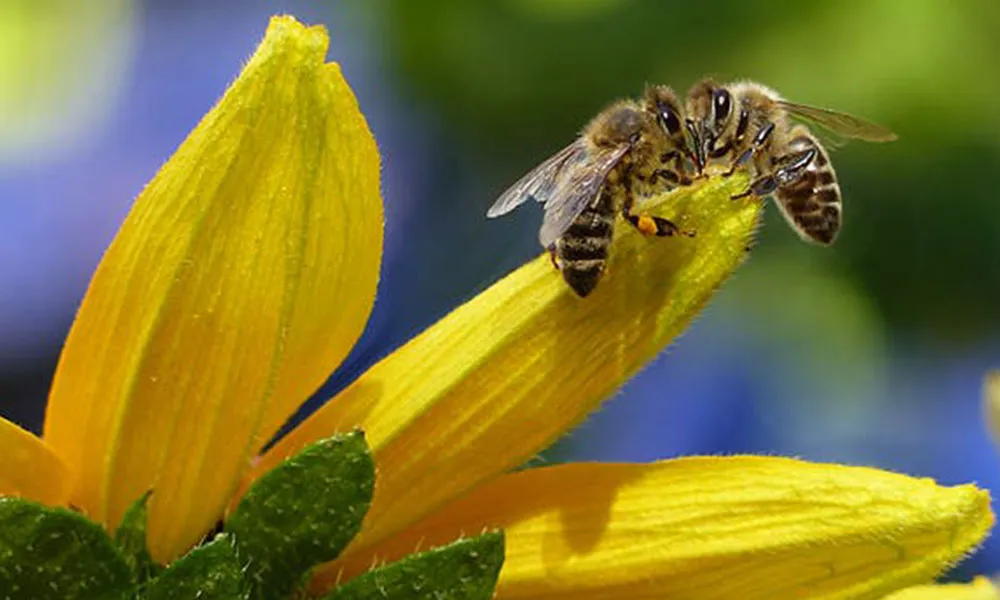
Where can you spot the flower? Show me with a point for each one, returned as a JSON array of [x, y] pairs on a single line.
[[980, 588], [245, 272]]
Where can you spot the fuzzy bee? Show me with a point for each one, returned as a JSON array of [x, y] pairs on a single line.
[[747, 123], [630, 149]]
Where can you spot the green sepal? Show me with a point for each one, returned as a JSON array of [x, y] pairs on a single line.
[[209, 572], [463, 570], [302, 513], [131, 539], [54, 553]]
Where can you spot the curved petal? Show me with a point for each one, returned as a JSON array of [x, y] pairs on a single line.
[[30, 469], [739, 527], [980, 588], [501, 377], [242, 276]]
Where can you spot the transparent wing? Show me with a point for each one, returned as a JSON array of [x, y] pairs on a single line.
[[578, 190], [830, 140], [842, 123], [540, 181]]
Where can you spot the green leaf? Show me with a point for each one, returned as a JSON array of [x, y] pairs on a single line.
[[209, 572], [302, 513], [56, 553], [463, 570], [131, 538]]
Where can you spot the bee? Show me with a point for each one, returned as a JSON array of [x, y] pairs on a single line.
[[749, 122], [631, 148]]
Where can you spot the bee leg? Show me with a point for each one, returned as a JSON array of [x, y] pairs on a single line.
[[658, 226], [672, 177], [650, 225], [758, 142], [792, 169], [762, 186], [552, 256], [669, 156], [680, 169], [720, 151], [678, 173]]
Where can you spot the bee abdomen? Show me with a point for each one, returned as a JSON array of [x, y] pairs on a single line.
[[583, 249], [582, 261], [592, 222], [814, 204], [583, 275]]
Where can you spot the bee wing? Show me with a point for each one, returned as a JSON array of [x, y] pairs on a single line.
[[577, 191], [830, 140], [540, 181], [842, 123]]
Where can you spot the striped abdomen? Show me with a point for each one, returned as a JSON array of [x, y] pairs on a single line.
[[582, 251], [812, 203]]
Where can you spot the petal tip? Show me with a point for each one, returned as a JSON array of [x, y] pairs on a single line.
[[308, 40]]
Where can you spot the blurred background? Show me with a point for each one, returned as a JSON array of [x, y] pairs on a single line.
[[871, 352]]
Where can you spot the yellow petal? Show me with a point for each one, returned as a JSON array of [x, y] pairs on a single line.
[[981, 588], [501, 377], [240, 279], [29, 468], [991, 404], [741, 527]]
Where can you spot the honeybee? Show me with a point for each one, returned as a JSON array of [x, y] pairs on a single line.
[[631, 148], [747, 121]]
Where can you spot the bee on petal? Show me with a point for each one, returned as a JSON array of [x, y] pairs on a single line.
[[630, 149], [747, 123]]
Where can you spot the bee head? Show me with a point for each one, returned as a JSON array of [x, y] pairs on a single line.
[[663, 105], [709, 108]]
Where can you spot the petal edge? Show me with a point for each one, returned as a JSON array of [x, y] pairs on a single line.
[[747, 527], [242, 276], [30, 468]]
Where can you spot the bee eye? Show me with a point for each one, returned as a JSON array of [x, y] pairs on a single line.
[[669, 120], [723, 104]]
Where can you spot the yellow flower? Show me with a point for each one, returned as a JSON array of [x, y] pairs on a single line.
[[981, 588], [740, 527], [247, 269]]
